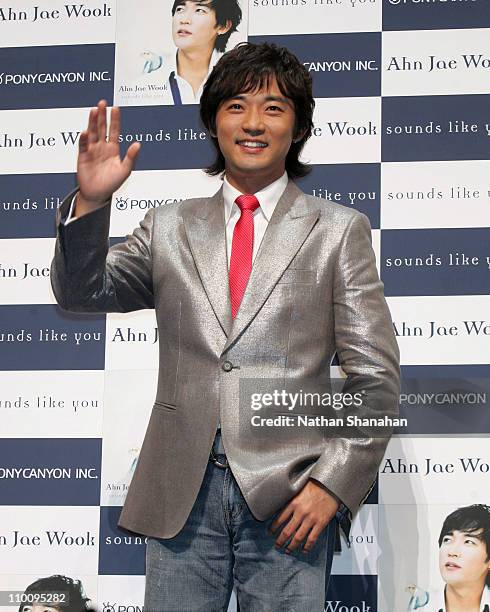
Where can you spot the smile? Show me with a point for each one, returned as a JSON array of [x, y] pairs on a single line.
[[252, 144]]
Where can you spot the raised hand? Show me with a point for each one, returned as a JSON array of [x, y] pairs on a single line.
[[100, 170]]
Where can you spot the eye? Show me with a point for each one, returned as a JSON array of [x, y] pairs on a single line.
[[235, 106], [274, 108], [470, 541], [446, 539]]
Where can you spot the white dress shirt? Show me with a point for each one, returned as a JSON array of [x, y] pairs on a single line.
[[437, 601], [267, 197], [69, 217], [155, 85], [186, 92]]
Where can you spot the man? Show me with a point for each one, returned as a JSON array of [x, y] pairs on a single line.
[[464, 564], [200, 31], [259, 281]]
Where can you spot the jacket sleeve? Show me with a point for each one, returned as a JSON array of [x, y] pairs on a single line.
[[369, 356], [88, 276]]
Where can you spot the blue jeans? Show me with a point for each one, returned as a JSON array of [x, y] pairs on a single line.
[[222, 546]]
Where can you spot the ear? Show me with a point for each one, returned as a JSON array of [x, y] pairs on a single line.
[[222, 29]]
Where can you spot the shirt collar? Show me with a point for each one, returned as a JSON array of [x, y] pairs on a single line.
[[172, 63], [438, 600], [268, 197]]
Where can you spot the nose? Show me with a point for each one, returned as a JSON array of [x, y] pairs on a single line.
[[252, 122], [184, 16], [453, 551]]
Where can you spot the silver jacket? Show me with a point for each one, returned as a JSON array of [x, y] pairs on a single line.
[[314, 290]]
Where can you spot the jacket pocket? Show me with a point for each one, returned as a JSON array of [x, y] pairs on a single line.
[[165, 406]]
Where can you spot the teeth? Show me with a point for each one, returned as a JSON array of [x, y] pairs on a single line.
[[253, 145]]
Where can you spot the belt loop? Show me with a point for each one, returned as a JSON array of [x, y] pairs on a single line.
[[217, 443], [217, 463]]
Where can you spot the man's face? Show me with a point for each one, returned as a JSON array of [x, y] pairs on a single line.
[[194, 26], [255, 131], [463, 557]]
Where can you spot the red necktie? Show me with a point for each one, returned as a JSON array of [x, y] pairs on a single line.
[[242, 249]]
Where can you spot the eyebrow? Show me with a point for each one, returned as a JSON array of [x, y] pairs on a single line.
[[267, 98], [198, 3], [470, 534]]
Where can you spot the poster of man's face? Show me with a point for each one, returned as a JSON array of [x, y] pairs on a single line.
[[447, 554], [55, 593], [165, 49]]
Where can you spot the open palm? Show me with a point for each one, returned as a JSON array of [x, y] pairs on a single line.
[[100, 169]]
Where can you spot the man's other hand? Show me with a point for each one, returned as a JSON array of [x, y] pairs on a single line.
[[307, 514]]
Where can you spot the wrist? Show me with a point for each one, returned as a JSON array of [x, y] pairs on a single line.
[[327, 491], [84, 205]]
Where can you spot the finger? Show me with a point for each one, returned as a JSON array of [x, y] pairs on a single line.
[[101, 120], [312, 538], [130, 158], [285, 515], [115, 125], [92, 125], [299, 536], [83, 142], [288, 531]]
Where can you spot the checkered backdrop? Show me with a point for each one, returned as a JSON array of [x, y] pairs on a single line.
[[402, 133]]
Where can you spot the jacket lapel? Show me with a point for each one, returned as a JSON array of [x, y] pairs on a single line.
[[205, 229], [289, 226]]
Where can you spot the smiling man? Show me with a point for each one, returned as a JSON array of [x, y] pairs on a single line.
[[255, 157], [259, 281]]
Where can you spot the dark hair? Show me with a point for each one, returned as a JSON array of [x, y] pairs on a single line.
[[250, 67], [469, 519], [225, 10], [76, 600]]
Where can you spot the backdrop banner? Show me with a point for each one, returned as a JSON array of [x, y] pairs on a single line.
[[402, 134]]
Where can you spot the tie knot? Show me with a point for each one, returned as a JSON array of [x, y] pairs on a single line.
[[247, 201]]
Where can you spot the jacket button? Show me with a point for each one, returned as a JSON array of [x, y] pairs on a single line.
[[227, 366]]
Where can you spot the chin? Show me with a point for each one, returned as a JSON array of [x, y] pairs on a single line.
[[453, 580], [252, 172], [181, 43]]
